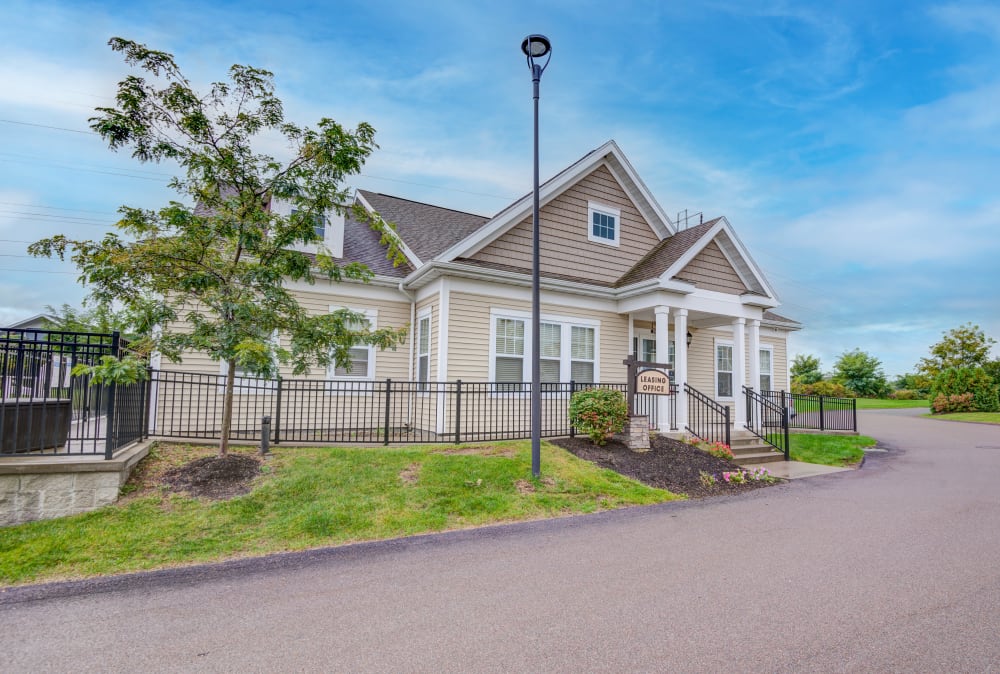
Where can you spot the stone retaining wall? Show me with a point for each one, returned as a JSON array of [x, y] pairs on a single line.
[[43, 487]]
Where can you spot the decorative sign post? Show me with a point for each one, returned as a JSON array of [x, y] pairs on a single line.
[[651, 379]]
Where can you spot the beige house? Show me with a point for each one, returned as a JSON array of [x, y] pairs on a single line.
[[617, 278]]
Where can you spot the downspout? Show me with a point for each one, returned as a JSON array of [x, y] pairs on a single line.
[[413, 338]]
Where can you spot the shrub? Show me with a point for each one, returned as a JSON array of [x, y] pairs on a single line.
[[598, 412], [905, 394], [954, 403], [822, 388], [955, 381]]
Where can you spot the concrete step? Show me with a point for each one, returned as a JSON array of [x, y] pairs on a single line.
[[759, 457], [752, 449]]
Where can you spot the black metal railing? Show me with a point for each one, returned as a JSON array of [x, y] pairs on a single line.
[[814, 412], [767, 418], [189, 405], [44, 408], [707, 419]]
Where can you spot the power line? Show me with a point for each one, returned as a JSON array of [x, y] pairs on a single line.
[[55, 208], [36, 271], [46, 126]]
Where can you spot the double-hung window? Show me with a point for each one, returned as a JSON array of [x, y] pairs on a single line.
[[423, 351], [509, 361], [568, 351], [361, 362], [766, 369], [319, 224], [648, 351], [723, 370]]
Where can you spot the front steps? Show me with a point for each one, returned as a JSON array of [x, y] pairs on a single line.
[[748, 448]]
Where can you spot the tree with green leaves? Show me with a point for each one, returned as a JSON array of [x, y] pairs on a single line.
[[861, 373], [93, 318], [212, 268], [805, 369], [964, 346]]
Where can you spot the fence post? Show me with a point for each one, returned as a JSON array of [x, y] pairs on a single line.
[[854, 413], [729, 440], [458, 411], [784, 423], [265, 434], [146, 400], [572, 390], [277, 411], [388, 394], [821, 421], [111, 389]]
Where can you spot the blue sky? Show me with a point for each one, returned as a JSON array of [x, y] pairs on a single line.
[[854, 146]]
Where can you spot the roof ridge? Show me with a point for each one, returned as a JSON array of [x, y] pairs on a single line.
[[424, 203]]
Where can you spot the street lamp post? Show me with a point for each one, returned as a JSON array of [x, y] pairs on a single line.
[[536, 47]]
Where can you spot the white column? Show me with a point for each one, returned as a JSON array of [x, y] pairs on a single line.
[[739, 371], [662, 349], [681, 364], [754, 354]]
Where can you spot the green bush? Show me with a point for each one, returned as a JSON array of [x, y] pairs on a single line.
[[822, 388], [905, 394], [598, 412], [955, 381]]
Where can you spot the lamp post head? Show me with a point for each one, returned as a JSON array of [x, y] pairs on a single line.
[[536, 47]]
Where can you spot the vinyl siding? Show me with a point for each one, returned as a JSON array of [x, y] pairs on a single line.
[[469, 348], [564, 247], [711, 270]]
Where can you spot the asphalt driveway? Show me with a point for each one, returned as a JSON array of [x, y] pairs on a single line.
[[893, 567]]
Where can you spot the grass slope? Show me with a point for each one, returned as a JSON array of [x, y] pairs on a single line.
[[886, 404], [978, 417], [312, 497], [829, 450]]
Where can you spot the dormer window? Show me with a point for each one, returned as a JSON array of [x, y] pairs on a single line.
[[604, 223], [319, 224]]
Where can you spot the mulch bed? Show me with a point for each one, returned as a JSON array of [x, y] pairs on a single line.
[[669, 464], [214, 477]]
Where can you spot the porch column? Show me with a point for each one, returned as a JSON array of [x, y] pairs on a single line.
[[662, 349], [739, 371], [681, 365], [754, 354]]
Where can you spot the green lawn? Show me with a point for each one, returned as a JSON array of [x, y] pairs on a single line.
[[980, 417], [829, 450], [886, 404], [311, 497]]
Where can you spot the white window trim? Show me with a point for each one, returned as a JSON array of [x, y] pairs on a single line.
[[715, 369], [566, 324], [425, 313], [770, 348], [594, 207], [331, 371]]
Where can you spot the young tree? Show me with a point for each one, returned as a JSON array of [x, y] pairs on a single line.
[[964, 346], [217, 262], [805, 369], [98, 318], [861, 373]]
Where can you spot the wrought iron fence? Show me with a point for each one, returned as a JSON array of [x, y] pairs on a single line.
[[767, 418], [190, 405], [822, 413], [707, 419], [44, 408]]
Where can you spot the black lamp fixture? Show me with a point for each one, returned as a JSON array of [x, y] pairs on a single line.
[[535, 48], [652, 331]]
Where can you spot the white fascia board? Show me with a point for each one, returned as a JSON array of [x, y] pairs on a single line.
[[552, 187], [778, 325], [748, 258], [667, 225], [380, 288], [758, 301], [410, 255]]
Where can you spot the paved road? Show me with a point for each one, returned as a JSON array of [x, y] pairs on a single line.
[[890, 568]]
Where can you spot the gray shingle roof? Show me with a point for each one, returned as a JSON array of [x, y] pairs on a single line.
[[771, 316], [664, 254], [427, 230], [361, 244]]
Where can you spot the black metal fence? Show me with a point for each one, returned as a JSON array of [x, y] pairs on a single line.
[[44, 408], [707, 419], [821, 413], [190, 405], [767, 418]]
